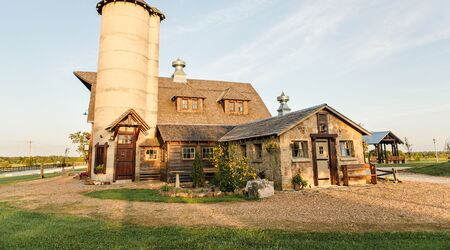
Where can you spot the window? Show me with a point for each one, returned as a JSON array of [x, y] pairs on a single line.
[[347, 149], [124, 139], [184, 104], [100, 158], [240, 107], [188, 153], [300, 149], [151, 154], [257, 151], [244, 150], [322, 123], [232, 107], [194, 104], [207, 153]]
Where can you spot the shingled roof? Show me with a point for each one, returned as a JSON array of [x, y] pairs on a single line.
[[232, 94], [281, 124], [378, 137], [213, 112], [185, 133], [188, 91]]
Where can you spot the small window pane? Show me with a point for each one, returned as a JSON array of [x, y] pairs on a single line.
[[346, 148], [244, 150], [258, 151], [300, 149], [124, 139], [194, 104], [151, 154], [207, 153], [184, 104], [240, 107], [232, 108], [188, 153]]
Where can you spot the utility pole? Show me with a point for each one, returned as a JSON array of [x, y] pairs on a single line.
[[29, 150], [435, 150]]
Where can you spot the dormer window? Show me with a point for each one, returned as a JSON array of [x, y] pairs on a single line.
[[185, 104], [189, 104], [194, 104], [231, 106], [234, 102], [240, 107]]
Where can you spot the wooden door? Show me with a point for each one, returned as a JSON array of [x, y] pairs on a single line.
[[323, 162], [125, 157]]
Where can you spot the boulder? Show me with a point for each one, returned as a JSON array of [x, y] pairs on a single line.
[[259, 189]]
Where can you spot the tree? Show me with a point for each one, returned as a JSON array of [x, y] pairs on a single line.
[[198, 176], [81, 138], [447, 146], [408, 147]]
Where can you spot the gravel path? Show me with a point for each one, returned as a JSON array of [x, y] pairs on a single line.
[[384, 207]]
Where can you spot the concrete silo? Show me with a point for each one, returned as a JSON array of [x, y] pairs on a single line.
[[127, 75]]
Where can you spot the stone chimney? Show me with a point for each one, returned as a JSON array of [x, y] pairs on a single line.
[[283, 109], [179, 75]]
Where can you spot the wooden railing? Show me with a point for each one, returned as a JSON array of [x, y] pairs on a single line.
[[359, 171]]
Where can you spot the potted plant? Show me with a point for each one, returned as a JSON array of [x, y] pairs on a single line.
[[100, 169], [299, 183]]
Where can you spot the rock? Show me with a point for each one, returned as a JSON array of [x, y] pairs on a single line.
[[260, 189]]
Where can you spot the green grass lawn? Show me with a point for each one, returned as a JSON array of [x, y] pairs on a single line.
[[149, 195], [27, 230], [16, 179], [440, 169]]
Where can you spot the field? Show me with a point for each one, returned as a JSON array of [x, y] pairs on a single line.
[[16, 179], [22, 229], [440, 169]]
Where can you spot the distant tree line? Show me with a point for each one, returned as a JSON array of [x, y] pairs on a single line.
[[35, 160]]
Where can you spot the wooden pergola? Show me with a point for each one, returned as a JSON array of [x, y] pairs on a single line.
[[380, 140]]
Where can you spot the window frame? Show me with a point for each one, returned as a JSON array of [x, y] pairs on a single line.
[[232, 106], [349, 148], [302, 150], [194, 101], [183, 102], [151, 159], [323, 119], [103, 160], [240, 107], [243, 149], [210, 155], [190, 153], [257, 151]]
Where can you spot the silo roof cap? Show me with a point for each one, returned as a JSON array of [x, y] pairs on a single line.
[[150, 9]]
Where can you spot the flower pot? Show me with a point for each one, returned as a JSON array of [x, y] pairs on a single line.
[[297, 187]]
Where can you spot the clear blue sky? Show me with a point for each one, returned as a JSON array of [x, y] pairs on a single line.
[[385, 64]]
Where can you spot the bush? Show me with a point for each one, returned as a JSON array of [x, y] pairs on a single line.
[[298, 180], [198, 176], [233, 172]]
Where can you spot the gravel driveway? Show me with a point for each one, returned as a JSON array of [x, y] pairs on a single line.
[[384, 207]]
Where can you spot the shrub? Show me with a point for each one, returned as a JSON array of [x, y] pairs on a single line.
[[298, 180], [166, 188], [233, 172], [198, 176], [100, 169]]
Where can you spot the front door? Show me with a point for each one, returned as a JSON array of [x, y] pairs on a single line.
[[323, 162], [125, 157]]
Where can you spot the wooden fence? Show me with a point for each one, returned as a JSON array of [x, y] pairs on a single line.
[[359, 171], [37, 167]]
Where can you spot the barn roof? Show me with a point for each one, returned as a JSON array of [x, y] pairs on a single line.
[[213, 112], [281, 124], [205, 133], [232, 94], [380, 137]]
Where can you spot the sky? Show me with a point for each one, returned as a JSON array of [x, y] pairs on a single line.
[[385, 64]]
